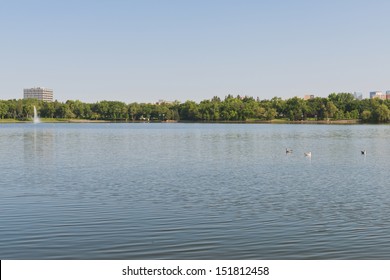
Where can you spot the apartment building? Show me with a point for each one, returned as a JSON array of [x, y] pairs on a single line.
[[39, 93], [377, 94]]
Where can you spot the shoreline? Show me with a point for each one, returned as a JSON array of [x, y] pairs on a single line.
[[275, 121]]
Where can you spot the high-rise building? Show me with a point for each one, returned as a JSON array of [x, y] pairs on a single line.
[[377, 94], [358, 95], [39, 93], [308, 96], [388, 94]]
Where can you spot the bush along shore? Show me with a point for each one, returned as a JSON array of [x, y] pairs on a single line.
[[336, 108]]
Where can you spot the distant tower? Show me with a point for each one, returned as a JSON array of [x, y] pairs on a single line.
[[39, 93], [358, 95]]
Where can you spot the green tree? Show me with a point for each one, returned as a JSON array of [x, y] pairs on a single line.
[[366, 115], [232, 109], [63, 111], [354, 114], [279, 105], [77, 108], [270, 114], [116, 110], [102, 109], [382, 113], [317, 108], [330, 110], [189, 111], [296, 108], [28, 108], [47, 110], [3, 109], [133, 110]]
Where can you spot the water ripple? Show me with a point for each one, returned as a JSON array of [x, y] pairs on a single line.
[[192, 191]]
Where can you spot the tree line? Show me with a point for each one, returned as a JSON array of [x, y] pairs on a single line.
[[337, 106]]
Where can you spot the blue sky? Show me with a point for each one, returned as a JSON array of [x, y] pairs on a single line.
[[146, 50]]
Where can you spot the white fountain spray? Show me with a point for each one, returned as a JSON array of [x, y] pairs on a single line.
[[36, 118]]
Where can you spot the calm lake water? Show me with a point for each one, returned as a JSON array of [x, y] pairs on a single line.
[[194, 191]]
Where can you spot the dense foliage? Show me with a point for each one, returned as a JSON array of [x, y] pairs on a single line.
[[337, 106]]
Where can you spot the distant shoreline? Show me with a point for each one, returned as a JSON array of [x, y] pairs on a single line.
[[275, 121], [340, 108]]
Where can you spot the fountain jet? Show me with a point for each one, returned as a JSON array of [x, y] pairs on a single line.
[[36, 118]]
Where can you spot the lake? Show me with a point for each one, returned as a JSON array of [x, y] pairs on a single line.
[[194, 191]]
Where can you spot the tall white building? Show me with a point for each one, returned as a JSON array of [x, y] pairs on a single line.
[[39, 93]]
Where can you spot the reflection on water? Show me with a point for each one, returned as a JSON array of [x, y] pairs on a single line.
[[194, 191], [38, 145]]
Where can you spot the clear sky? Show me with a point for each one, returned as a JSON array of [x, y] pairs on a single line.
[[146, 50]]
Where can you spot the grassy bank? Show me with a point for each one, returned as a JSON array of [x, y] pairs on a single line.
[[249, 121]]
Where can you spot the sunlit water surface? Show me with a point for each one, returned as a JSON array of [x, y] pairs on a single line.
[[194, 191]]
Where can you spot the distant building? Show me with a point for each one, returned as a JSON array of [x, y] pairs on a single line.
[[377, 94], [161, 101], [308, 96], [358, 95], [39, 93], [388, 94]]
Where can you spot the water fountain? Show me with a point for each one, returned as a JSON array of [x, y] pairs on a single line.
[[36, 118]]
